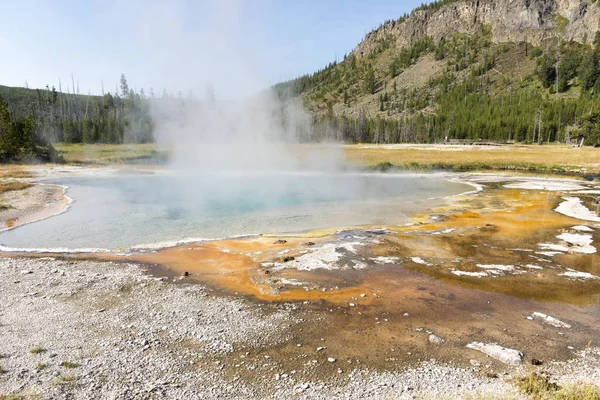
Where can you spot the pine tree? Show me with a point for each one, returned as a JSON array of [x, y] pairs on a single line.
[[393, 69], [362, 127], [9, 146], [370, 83], [124, 86], [545, 70]]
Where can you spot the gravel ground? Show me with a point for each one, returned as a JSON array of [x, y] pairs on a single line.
[[132, 335], [83, 329]]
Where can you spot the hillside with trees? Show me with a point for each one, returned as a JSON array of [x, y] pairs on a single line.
[[425, 77]]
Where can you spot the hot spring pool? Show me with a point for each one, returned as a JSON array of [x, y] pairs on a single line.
[[115, 212]]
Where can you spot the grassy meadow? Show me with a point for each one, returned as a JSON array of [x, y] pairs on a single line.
[[532, 158], [108, 153], [558, 159]]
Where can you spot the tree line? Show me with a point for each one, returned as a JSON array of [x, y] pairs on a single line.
[[119, 117], [34, 119], [20, 139]]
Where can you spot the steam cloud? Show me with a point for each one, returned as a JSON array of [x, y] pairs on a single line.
[[262, 132], [240, 124]]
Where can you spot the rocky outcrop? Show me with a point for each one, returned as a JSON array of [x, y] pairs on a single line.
[[532, 21]]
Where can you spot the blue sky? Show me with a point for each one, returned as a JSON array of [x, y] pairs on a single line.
[[235, 46]]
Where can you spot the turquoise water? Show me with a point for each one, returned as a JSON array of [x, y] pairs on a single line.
[[125, 211]]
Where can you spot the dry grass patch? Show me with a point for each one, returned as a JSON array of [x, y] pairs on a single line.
[[9, 186], [578, 392], [107, 153], [69, 364], [69, 380], [551, 158], [539, 386], [37, 350], [15, 173]]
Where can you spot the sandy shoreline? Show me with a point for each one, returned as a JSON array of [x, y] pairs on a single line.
[[33, 204], [351, 313]]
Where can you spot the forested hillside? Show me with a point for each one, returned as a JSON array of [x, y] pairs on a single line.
[[429, 75]]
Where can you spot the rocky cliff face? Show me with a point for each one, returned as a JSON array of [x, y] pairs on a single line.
[[510, 21]]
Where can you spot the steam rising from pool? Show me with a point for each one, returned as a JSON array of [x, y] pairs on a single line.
[[238, 127]]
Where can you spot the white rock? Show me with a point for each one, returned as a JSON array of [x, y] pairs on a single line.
[[503, 354], [444, 231], [549, 185], [582, 242], [573, 207], [324, 257], [419, 260], [548, 253], [533, 266], [548, 320], [499, 267], [331, 359], [468, 273], [386, 260], [554, 247], [435, 339], [571, 273]]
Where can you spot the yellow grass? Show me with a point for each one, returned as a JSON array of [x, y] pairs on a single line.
[[540, 386], [545, 158], [13, 185], [105, 153], [14, 171]]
